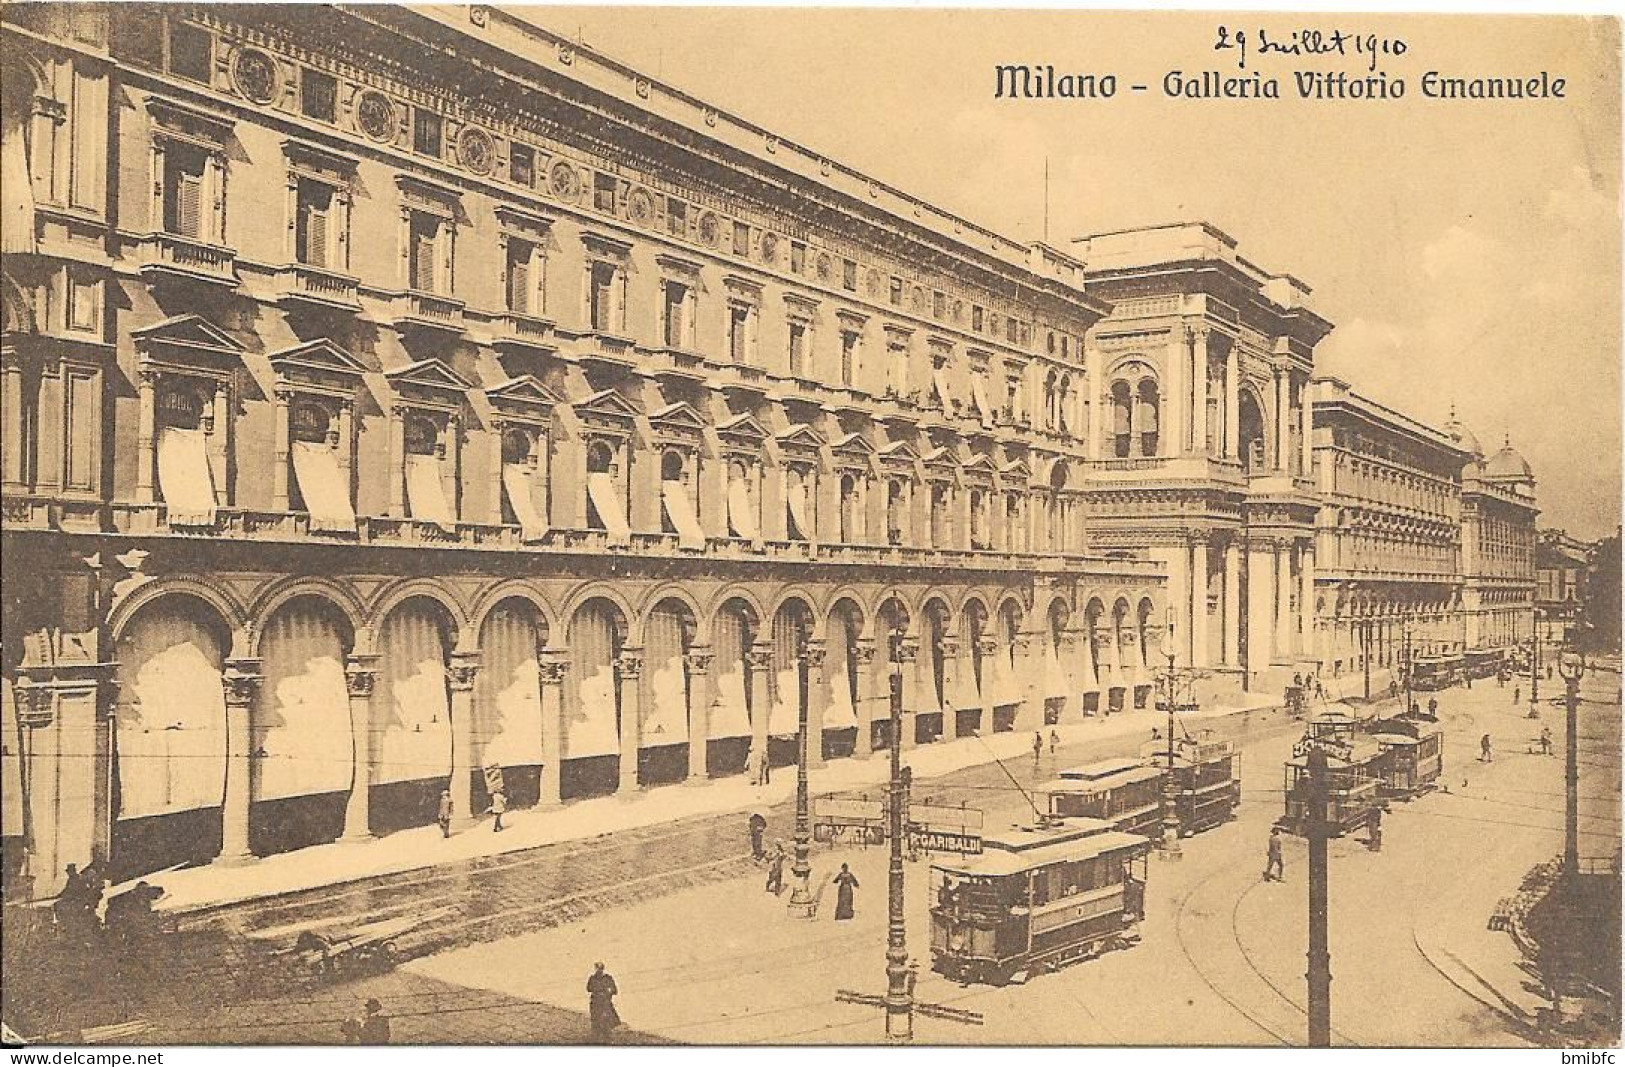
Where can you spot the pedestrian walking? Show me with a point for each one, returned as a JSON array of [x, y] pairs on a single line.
[[1054, 739], [601, 991], [374, 1024], [758, 832], [1038, 746], [1484, 754], [1433, 707], [443, 817], [1545, 740], [764, 767], [499, 805], [1373, 828], [1274, 865], [1393, 689], [845, 883], [1320, 693], [1516, 693], [1548, 672], [775, 869]]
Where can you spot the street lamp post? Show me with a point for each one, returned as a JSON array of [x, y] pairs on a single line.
[[899, 991], [1319, 974], [1406, 666], [1168, 848], [802, 904], [1534, 663], [1572, 667], [1365, 655]]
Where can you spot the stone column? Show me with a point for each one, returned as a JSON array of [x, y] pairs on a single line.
[[1306, 428], [817, 702], [868, 690], [360, 672], [11, 395], [1232, 401], [1199, 619], [908, 654], [1175, 396], [1306, 600], [1260, 605], [145, 434], [759, 694], [241, 682], [630, 666], [699, 713], [1177, 560], [1094, 408], [1232, 604], [1283, 412], [1199, 337], [279, 455], [1106, 646], [460, 679], [1283, 601], [553, 665]]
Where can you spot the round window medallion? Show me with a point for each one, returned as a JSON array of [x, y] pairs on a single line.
[[375, 116], [476, 150], [255, 75], [640, 206], [709, 229], [564, 181]]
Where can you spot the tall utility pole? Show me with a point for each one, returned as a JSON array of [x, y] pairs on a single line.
[[1572, 667], [1365, 654], [802, 903], [1320, 959], [1534, 663], [1169, 848], [1407, 667], [899, 990]]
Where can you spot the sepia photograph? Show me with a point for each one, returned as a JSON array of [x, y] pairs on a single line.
[[808, 526]]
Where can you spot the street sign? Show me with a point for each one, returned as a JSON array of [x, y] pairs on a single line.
[[923, 840], [930, 827]]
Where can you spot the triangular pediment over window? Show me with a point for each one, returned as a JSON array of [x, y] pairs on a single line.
[[742, 431], [1016, 471], [187, 340], [800, 437], [319, 362], [896, 452], [679, 419], [429, 381], [606, 409], [523, 397]]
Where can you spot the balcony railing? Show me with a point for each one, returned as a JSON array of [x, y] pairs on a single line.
[[168, 255], [519, 329], [302, 283], [430, 310]]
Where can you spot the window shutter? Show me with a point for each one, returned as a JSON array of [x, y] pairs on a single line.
[[316, 236], [519, 284], [423, 260], [189, 204]]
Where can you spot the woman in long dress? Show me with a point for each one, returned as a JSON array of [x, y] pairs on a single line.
[[845, 882], [601, 990]]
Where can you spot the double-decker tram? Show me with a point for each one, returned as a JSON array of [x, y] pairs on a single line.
[[1412, 756], [1429, 674], [1205, 787], [1123, 792], [1354, 774], [1036, 899]]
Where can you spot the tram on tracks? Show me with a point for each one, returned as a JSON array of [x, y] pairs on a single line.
[[1123, 792], [1412, 756], [1355, 769], [1205, 787], [1036, 899]]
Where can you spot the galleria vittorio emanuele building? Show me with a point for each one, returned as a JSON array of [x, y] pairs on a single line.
[[402, 396]]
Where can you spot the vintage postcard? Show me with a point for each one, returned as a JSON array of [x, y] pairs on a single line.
[[809, 526]]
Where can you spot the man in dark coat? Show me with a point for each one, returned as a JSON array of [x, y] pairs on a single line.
[[775, 868], [845, 883], [601, 991], [758, 831], [1274, 864], [374, 1025], [443, 817]]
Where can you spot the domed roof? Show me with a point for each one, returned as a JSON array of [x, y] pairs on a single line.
[[1508, 463], [1460, 434]]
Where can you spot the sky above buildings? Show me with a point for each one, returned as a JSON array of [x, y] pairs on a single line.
[[1467, 251]]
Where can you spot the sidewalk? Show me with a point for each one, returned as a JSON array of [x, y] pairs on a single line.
[[194, 888]]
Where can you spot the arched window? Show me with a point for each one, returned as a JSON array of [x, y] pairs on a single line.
[[896, 511], [1049, 401], [1122, 420], [978, 520], [939, 515], [1250, 436], [1146, 422], [673, 466], [310, 422], [849, 509], [600, 458], [1063, 403]]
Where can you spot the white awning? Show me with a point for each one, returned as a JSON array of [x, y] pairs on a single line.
[[978, 392], [601, 491], [939, 377], [184, 477], [1002, 687], [741, 520], [1055, 684], [674, 496], [325, 488], [425, 494], [800, 522], [518, 483]]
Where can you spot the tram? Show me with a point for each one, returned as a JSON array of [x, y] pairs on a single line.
[[1355, 772], [1412, 756], [1205, 786], [1036, 899], [1430, 675], [1123, 792]]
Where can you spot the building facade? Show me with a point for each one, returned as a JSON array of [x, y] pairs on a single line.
[[1388, 540], [1498, 516], [1562, 570], [1197, 431], [377, 421]]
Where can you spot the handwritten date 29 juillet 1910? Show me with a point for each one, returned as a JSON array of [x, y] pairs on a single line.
[[1308, 43]]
